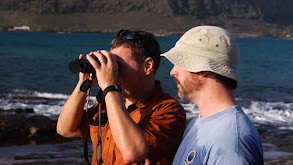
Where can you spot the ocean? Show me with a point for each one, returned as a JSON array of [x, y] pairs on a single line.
[[34, 74]]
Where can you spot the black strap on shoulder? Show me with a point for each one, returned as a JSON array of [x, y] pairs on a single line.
[[85, 138], [101, 100], [86, 134], [86, 87], [99, 145]]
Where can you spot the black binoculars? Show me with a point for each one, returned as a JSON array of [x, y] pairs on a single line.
[[82, 65]]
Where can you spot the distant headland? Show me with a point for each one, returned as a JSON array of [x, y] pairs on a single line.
[[259, 18]]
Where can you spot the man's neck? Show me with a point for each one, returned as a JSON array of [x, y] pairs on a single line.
[[144, 93], [215, 99]]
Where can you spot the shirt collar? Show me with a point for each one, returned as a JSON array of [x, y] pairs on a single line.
[[135, 109], [155, 93]]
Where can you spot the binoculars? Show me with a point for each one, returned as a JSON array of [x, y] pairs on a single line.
[[82, 65]]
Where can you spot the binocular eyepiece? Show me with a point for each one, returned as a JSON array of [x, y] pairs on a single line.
[[82, 65]]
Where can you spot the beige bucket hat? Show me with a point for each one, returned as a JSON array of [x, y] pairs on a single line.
[[206, 48]]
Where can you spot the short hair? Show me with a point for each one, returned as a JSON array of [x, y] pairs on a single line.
[[143, 45], [227, 82]]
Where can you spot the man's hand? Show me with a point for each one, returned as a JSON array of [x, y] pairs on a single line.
[[107, 72]]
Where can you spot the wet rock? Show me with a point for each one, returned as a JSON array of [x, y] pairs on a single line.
[[277, 145], [282, 139], [18, 110], [18, 129]]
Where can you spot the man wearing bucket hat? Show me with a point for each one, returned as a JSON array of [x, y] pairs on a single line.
[[205, 62]]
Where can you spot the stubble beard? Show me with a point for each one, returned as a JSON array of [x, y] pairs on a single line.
[[188, 88]]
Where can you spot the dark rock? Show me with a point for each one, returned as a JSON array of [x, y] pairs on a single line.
[[30, 98], [29, 110], [281, 139], [21, 129], [18, 110]]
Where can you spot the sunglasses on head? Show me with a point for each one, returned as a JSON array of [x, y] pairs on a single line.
[[128, 34], [131, 35]]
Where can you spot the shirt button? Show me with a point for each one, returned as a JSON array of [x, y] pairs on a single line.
[[108, 138]]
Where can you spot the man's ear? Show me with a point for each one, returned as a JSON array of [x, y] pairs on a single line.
[[149, 65], [203, 75]]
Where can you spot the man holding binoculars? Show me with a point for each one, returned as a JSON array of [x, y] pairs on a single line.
[[143, 121]]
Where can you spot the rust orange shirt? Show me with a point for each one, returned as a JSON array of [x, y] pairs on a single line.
[[162, 119]]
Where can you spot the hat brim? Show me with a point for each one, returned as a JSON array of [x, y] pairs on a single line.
[[192, 63]]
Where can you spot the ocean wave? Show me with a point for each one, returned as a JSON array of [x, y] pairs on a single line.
[[27, 93], [191, 111], [43, 103], [279, 114]]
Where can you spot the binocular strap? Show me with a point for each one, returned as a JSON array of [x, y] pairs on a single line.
[[85, 151], [85, 138], [99, 145]]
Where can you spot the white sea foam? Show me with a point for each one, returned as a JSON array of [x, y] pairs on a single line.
[[52, 95], [47, 110], [21, 92], [43, 103], [260, 112], [276, 113], [191, 111], [272, 113], [16, 106]]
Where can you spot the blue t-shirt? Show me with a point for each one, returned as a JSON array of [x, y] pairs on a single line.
[[227, 137]]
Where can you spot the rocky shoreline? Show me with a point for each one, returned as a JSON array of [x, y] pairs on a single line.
[[277, 145], [22, 126], [19, 127]]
